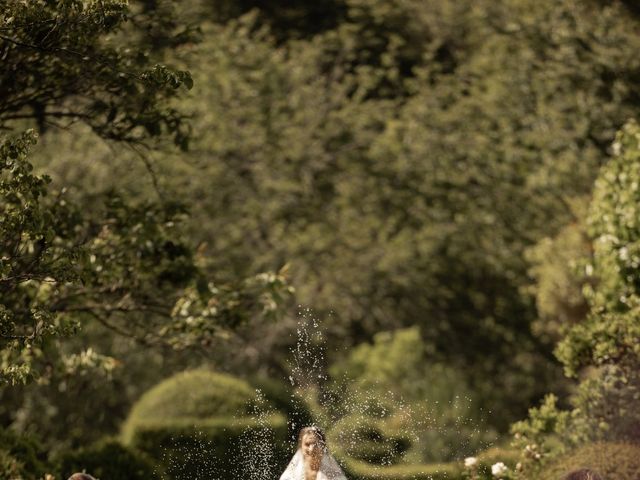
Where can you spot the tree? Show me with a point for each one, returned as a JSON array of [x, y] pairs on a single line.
[[608, 339], [125, 266], [411, 202], [62, 63], [601, 350], [60, 266]]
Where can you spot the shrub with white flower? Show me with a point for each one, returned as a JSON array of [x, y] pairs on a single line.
[[471, 465], [470, 462], [499, 470]]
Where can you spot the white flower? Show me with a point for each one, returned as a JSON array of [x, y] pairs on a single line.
[[470, 462], [623, 253], [617, 148], [498, 469]]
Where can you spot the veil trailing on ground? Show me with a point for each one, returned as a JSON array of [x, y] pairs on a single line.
[[329, 468]]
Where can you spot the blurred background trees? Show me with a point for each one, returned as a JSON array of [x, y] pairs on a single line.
[[404, 164]]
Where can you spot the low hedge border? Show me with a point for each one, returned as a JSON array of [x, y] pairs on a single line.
[[206, 448]]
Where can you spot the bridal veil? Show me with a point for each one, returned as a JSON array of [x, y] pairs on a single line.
[[329, 468]]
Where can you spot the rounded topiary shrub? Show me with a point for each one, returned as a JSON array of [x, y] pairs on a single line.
[[615, 461], [202, 424], [191, 394], [108, 460]]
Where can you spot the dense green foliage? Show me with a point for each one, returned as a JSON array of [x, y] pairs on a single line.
[[201, 424], [602, 348], [61, 267], [364, 471], [609, 336], [21, 457], [108, 459], [418, 168], [119, 268], [611, 460], [58, 68], [191, 394], [399, 174], [214, 448], [396, 403]]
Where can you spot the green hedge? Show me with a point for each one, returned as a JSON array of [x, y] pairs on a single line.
[[358, 470], [192, 394], [198, 424], [211, 448], [614, 461], [108, 460], [363, 438]]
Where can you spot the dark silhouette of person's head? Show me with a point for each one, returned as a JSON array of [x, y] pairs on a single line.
[[81, 476], [582, 474]]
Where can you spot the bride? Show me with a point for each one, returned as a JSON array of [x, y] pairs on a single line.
[[312, 461]]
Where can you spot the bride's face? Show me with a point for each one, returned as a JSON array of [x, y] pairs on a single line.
[[311, 447]]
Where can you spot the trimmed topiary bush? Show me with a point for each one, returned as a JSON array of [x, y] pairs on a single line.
[[201, 424], [614, 461], [108, 460], [191, 394]]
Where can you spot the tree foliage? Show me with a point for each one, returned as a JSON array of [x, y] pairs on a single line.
[[126, 267], [403, 161], [396, 404], [62, 64], [610, 335], [413, 164], [602, 349], [399, 173]]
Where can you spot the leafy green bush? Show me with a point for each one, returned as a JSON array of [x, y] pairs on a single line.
[[191, 394], [359, 470], [422, 410], [201, 424], [363, 438], [108, 460], [615, 461], [608, 338], [10, 467], [213, 448], [507, 455], [21, 457], [601, 349]]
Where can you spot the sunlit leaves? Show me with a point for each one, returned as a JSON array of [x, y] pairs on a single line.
[[612, 333], [126, 266]]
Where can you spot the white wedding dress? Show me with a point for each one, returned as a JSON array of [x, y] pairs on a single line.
[[329, 468]]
